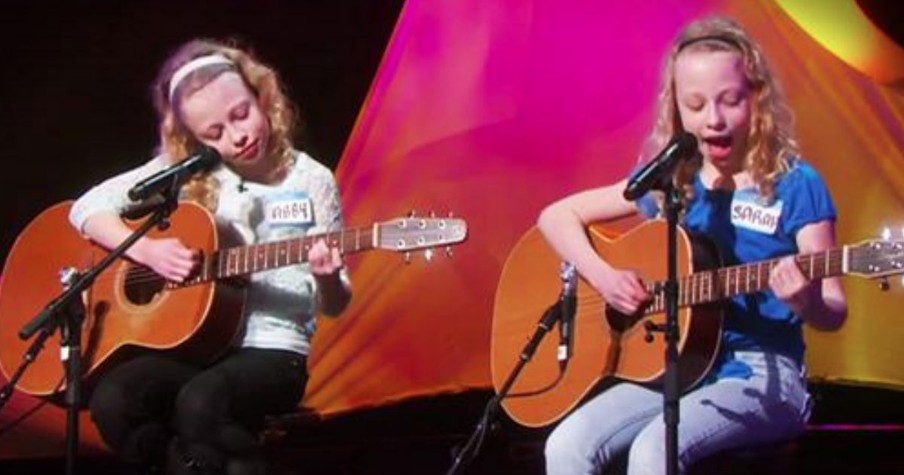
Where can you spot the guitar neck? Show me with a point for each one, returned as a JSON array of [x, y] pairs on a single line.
[[723, 283], [242, 260]]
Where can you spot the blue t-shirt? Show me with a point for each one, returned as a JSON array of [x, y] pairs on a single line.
[[745, 229]]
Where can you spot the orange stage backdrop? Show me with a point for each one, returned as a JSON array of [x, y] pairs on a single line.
[[491, 109]]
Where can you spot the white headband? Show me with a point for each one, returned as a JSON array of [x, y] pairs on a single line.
[[193, 66]]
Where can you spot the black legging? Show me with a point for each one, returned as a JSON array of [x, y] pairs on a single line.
[[157, 411]]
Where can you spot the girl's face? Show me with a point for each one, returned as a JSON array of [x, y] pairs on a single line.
[[713, 97], [225, 115]]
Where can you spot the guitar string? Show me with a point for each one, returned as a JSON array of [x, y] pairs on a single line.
[[717, 281], [349, 238]]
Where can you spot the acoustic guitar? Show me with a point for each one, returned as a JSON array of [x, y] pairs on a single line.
[[610, 346], [130, 307]]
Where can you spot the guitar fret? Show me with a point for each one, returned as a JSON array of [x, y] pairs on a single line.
[[762, 273], [694, 289], [224, 270], [689, 291], [701, 284], [736, 280], [229, 261], [239, 260]]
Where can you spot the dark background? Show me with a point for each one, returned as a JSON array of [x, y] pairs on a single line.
[[75, 104]]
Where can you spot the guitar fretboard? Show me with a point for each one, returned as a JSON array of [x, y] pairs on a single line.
[[242, 260], [726, 282]]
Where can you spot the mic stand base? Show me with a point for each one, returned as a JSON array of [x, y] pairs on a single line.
[[67, 312], [467, 453]]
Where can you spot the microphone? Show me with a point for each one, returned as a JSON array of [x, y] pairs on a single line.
[[175, 175], [681, 146], [567, 309]]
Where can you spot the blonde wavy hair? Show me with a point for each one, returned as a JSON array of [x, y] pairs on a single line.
[[175, 138], [771, 144]]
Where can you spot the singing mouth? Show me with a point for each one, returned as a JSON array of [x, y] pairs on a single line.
[[722, 141]]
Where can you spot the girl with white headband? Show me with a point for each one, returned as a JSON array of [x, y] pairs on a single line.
[[159, 411]]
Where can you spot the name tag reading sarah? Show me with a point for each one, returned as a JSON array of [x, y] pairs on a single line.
[[749, 214], [290, 211]]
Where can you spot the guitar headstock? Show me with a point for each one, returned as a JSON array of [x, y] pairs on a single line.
[[413, 233], [876, 258]]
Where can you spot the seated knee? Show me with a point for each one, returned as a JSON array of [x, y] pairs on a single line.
[[108, 401], [195, 414]]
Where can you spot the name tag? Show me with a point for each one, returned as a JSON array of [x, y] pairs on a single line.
[[749, 214], [290, 211]]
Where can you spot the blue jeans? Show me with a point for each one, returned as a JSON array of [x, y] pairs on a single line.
[[769, 406]]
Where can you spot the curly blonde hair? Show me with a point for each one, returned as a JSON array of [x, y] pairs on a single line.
[[175, 138], [771, 141]]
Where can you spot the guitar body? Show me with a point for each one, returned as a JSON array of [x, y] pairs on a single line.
[[127, 308], [606, 344]]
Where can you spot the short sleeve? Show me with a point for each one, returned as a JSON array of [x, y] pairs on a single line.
[[807, 198]]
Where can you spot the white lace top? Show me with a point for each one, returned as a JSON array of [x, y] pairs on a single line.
[[281, 303]]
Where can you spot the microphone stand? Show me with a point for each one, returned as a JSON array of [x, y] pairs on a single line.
[[671, 388], [67, 312], [561, 311]]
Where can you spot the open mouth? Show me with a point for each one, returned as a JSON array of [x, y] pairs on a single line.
[[718, 146]]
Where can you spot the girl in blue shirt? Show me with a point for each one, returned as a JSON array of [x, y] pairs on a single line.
[[748, 191]]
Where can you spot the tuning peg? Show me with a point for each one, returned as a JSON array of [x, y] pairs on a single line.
[[886, 234], [411, 213], [432, 214], [428, 255], [883, 284], [448, 251], [408, 257]]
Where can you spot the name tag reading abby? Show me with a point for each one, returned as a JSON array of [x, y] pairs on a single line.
[[747, 213], [290, 210]]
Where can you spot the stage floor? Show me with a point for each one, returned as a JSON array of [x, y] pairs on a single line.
[[854, 430]]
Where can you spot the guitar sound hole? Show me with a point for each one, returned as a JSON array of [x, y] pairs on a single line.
[[142, 285]]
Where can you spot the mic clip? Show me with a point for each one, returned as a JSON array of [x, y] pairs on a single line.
[[566, 312]]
